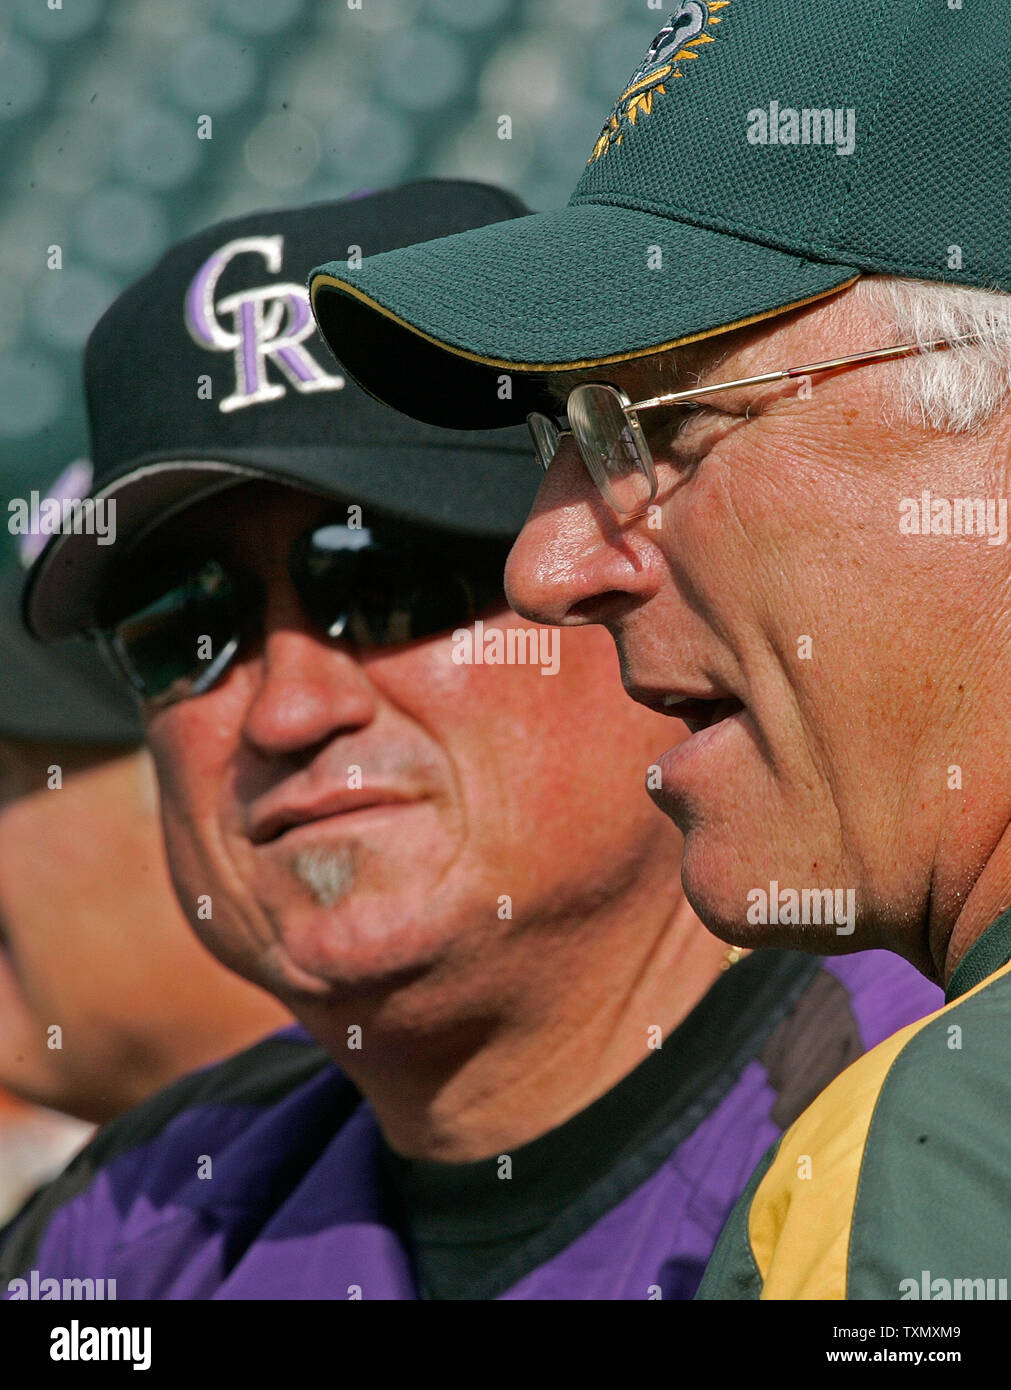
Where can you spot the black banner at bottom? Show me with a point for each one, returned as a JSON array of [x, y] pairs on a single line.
[[298, 1340]]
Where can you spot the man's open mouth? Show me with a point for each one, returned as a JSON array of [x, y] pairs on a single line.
[[701, 714], [697, 711]]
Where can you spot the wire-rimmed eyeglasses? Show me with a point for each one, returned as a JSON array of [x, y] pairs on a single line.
[[610, 438]]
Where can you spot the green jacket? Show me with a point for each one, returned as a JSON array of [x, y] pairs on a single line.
[[896, 1182]]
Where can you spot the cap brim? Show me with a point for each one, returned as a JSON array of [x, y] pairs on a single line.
[[62, 694], [432, 328], [408, 483]]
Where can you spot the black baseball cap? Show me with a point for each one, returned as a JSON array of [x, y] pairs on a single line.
[[209, 372], [62, 693]]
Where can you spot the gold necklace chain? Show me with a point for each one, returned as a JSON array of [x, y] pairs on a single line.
[[733, 955]]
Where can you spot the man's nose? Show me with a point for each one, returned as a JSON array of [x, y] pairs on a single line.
[[307, 689], [576, 561]]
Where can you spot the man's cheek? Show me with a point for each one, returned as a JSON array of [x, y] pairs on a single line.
[[163, 738], [188, 748]]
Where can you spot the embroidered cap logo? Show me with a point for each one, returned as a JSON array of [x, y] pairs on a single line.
[[268, 322], [679, 41]]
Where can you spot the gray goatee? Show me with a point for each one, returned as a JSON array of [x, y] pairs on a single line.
[[327, 873]]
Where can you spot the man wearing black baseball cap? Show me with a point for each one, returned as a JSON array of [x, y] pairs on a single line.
[[765, 355], [539, 1080]]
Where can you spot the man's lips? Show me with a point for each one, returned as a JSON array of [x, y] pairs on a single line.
[[697, 711], [271, 821]]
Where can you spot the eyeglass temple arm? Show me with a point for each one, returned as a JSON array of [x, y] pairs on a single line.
[[879, 355]]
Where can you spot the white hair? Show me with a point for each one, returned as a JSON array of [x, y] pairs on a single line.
[[957, 391]]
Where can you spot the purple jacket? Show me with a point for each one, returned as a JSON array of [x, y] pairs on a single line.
[[266, 1176]]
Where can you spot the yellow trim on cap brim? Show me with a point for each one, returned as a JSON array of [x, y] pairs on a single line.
[[331, 281]]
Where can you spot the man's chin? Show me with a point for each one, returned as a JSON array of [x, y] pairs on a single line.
[[815, 939], [782, 910], [321, 957]]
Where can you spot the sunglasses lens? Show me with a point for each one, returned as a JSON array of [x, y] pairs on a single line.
[[613, 446], [180, 628], [545, 434], [377, 593], [177, 639]]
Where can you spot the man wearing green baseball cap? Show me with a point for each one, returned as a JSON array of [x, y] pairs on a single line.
[[765, 356], [763, 156]]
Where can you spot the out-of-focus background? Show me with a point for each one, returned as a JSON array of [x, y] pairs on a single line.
[[100, 102]]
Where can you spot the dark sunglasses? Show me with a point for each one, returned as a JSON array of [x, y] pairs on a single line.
[[171, 628]]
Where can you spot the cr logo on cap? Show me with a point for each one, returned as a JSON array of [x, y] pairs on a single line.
[[269, 321]]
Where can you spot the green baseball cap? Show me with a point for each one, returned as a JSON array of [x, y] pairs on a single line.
[[764, 155]]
